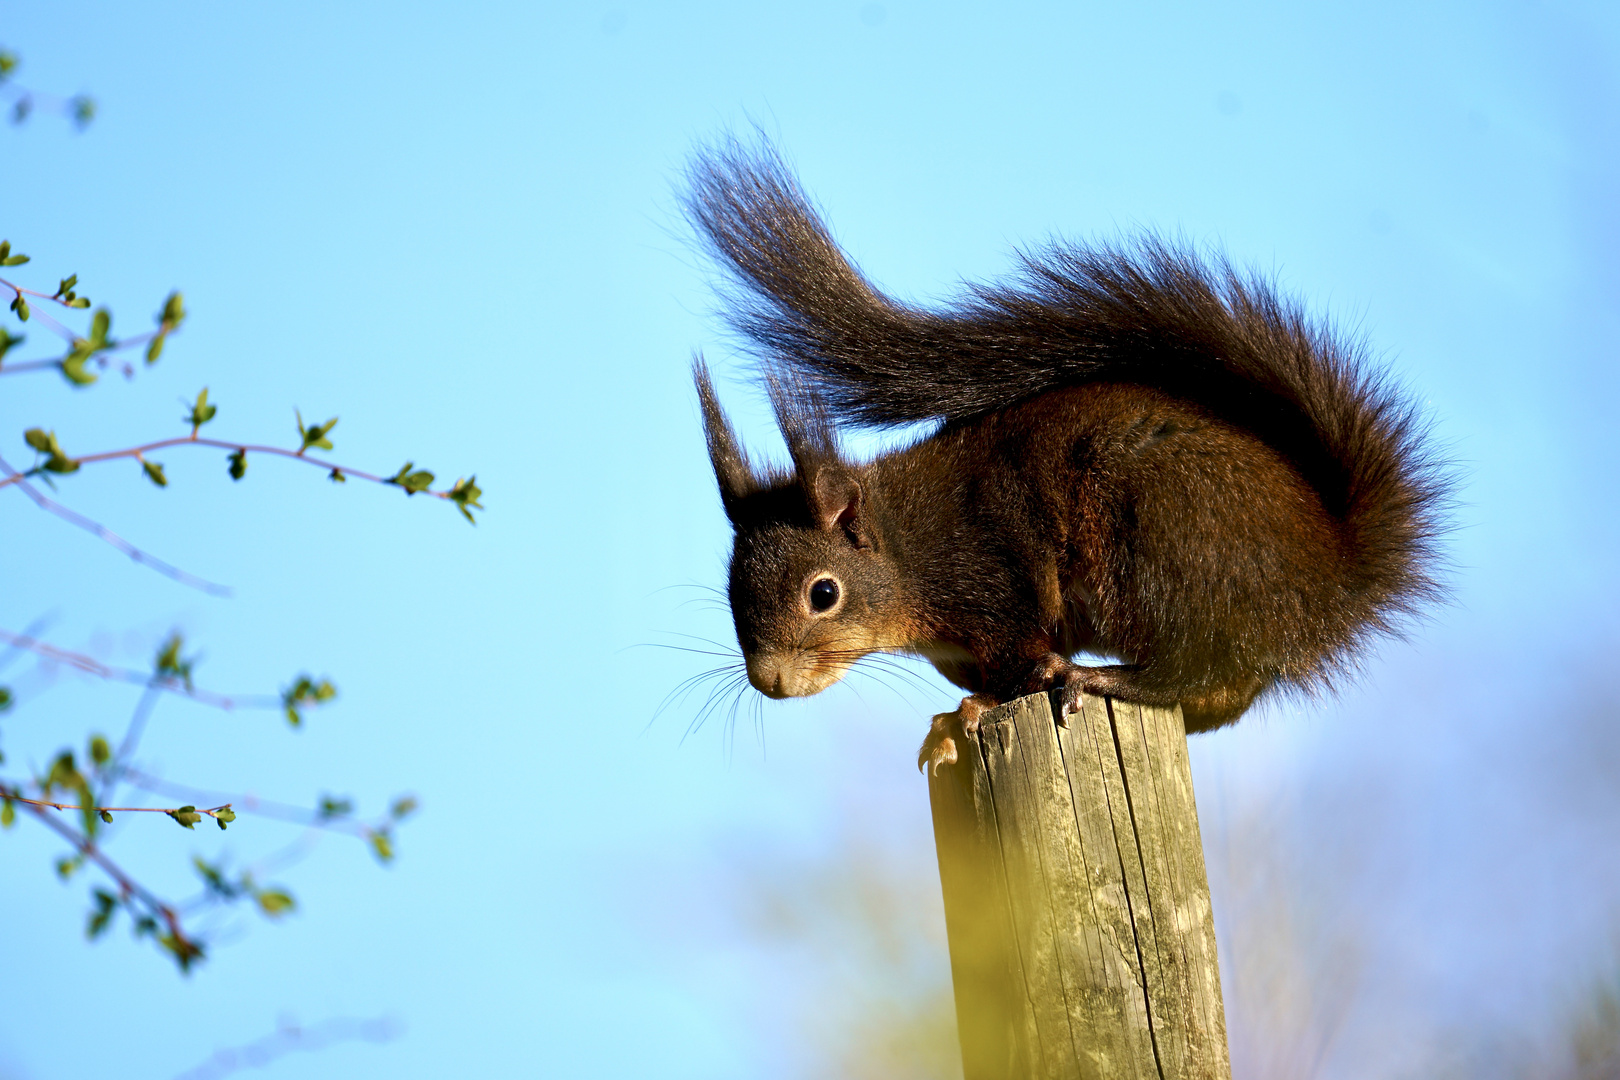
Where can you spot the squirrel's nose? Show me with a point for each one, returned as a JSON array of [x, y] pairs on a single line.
[[768, 676]]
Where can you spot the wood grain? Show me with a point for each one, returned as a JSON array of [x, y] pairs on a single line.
[[1082, 938]]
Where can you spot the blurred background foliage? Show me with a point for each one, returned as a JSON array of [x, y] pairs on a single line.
[[455, 226]]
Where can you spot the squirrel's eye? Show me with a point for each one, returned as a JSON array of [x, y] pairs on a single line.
[[823, 594]]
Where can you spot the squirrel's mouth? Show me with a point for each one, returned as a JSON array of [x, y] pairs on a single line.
[[783, 676]]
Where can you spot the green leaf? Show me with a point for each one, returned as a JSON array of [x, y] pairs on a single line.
[[403, 806], [5, 698], [305, 692], [201, 411], [84, 110], [19, 305], [315, 434], [186, 815], [465, 495], [238, 462], [382, 845], [154, 349], [106, 905], [8, 813], [14, 260], [213, 877], [173, 313], [334, 808], [100, 324], [185, 951], [73, 368], [171, 664], [8, 64], [66, 867], [412, 482], [105, 816], [78, 302], [65, 286], [337, 477], [44, 442], [7, 341], [64, 774], [100, 750], [274, 903], [224, 816], [154, 473]]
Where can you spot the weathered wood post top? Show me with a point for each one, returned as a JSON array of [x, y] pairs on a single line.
[[1082, 939]]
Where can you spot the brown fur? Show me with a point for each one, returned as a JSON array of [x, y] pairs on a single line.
[[1140, 456]]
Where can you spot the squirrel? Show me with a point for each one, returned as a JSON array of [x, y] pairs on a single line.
[[1140, 453]]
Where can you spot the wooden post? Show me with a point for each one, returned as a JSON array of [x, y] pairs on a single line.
[[1082, 939]]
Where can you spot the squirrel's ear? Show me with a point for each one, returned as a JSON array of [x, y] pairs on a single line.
[[836, 501], [730, 463], [803, 419]]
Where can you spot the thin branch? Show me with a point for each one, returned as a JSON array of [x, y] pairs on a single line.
[[80, 108], [100, 531], [119, 765], [289, 1037], [171, 683], [13, 651], [463, 493], [136, 453], [127, 886], [17, 367], [8, 793], [252, 804]]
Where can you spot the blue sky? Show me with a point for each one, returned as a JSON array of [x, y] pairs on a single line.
[[455, 227]]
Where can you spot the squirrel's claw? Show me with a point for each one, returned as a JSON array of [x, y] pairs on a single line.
[[939, 748], [1075, 680]]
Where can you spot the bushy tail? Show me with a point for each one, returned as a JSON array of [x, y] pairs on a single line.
[[1150, 313]]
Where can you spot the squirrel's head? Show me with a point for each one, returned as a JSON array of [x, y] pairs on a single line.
[[811, 589]]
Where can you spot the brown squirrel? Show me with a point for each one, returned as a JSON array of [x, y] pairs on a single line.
[[1141, 453]]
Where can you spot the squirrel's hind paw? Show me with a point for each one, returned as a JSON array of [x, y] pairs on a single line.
[[1054, 671]]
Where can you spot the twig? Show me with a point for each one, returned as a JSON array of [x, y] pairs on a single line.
[[100, 531], [136, 452], [119, 766], [80, 108], [289, 1037], [127, 886], [252, 804], [170, 683], [12, 795], [58, 299]]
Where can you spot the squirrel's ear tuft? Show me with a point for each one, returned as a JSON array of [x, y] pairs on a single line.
[[836, 502], [731, 470], [805, 425]]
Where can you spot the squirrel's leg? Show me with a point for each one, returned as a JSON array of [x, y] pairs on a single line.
[[1114, 680], [1202, 709], [939, 748]]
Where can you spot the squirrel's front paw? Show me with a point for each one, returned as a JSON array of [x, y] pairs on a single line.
[[939, 748]]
